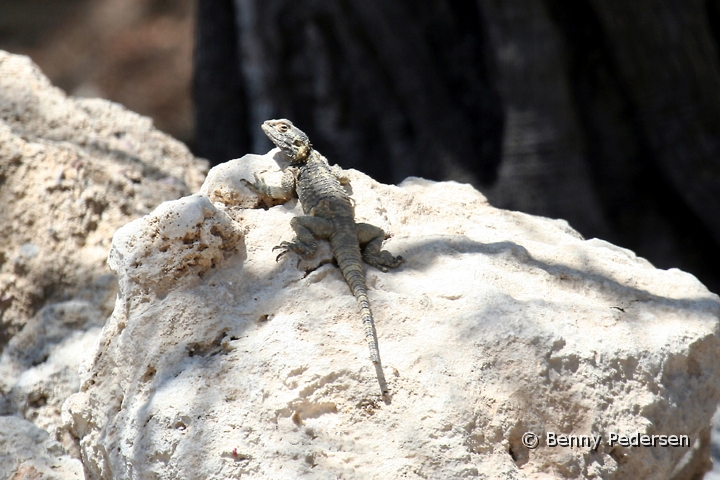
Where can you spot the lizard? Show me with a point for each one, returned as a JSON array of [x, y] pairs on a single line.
[[329, 215]]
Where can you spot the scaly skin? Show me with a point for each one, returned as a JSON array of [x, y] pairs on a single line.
[[329, 215]]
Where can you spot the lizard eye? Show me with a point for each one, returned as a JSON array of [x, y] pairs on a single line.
[[282, 127]]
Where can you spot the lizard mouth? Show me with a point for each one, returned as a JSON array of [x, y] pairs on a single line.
[[269, 130], [275, 136]]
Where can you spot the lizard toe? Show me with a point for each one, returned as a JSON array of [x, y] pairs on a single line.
[[284, 248], [298, 247]]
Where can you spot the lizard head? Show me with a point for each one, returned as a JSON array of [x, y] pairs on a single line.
[[289, 139]]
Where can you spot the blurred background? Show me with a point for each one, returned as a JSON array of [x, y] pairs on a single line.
[[604, 113]]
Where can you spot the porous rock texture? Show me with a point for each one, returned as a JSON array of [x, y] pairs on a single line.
[[498, 323], [72, 171], [28, 452]]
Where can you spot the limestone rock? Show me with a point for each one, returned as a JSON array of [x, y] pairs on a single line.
[[714, 474], [225, 183], [189, 238], [28, 452], [72, 171], [498, 324]]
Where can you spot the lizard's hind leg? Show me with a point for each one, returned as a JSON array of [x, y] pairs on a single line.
[[370, 238], [307, 230]]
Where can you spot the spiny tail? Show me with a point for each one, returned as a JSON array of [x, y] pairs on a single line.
[[358, 289], [350, 263]]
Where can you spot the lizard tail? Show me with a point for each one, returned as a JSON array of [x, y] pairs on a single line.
[[355, 277]]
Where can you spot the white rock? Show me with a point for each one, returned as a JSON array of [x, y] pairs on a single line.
[[27, 452], [498, 324], [224, 183], [189, 237], [72, 171]]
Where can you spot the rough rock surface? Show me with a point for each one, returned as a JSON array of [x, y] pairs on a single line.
[[28, 452], [714, 474], [72, 171], [498, 324]]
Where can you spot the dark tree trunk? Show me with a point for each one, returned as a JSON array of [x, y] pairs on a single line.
[[646, 207], [605, 113], [222, 130], [670, 70], [543, 168], [392, 88]]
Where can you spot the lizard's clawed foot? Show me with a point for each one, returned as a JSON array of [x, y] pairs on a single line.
[[298, 247], [284, 248], [259, 186], [383, 260]]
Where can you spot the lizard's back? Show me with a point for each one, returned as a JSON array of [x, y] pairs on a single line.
[[329, 215], [320, 192]]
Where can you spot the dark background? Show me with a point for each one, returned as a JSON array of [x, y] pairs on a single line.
[[604, 113]]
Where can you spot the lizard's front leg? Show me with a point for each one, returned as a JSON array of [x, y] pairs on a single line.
[[371, 238], [283, 192], [340, 174], [307, 230]]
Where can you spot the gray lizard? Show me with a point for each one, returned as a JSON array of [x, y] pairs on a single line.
[[329, 214]]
